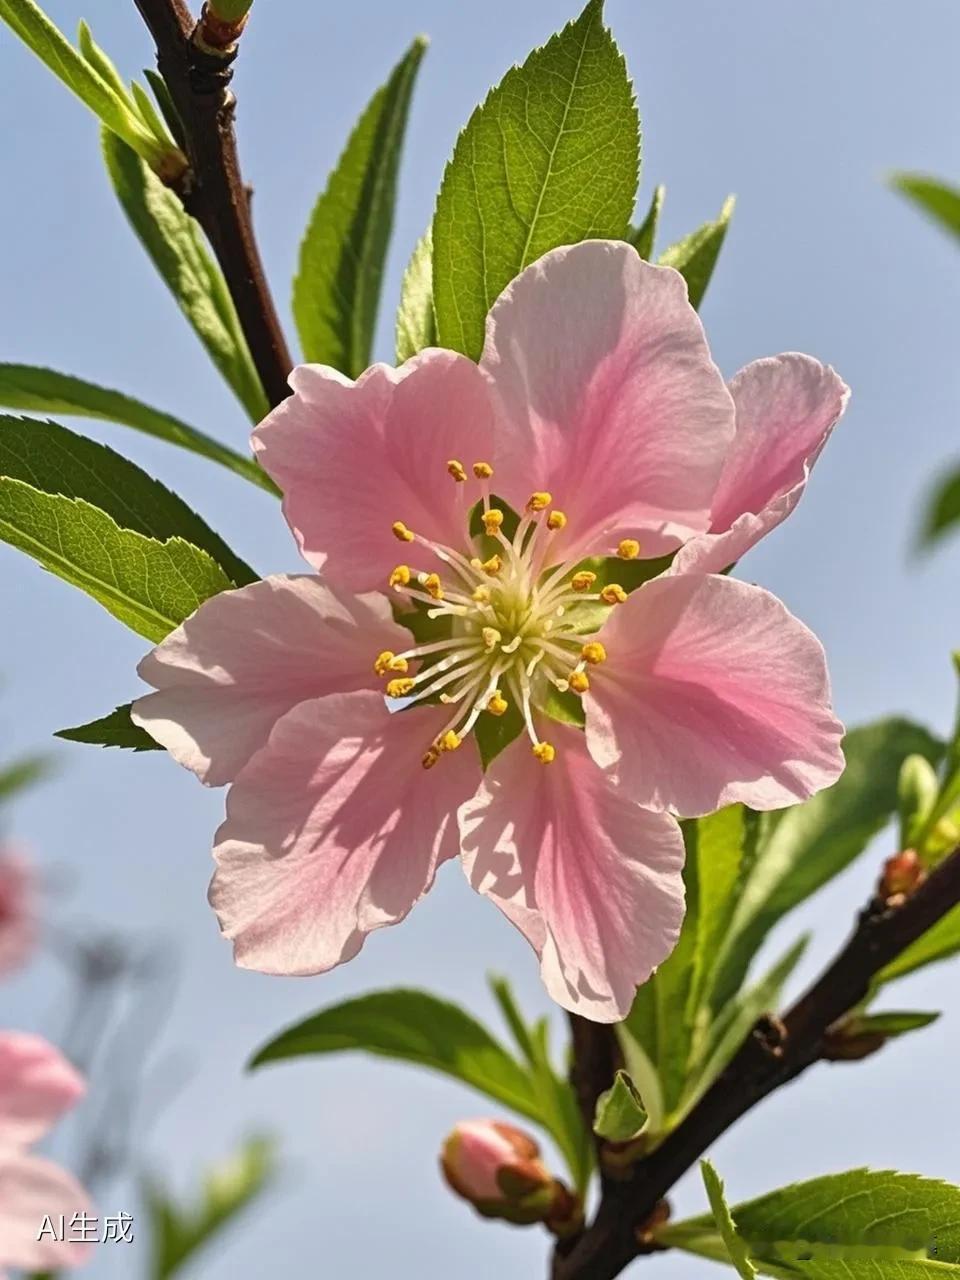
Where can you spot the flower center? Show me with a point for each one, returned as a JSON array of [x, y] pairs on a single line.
[[519, 623]]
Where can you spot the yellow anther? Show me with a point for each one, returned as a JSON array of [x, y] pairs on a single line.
[[482, 470], [492, 566], [492, 520], [613, 594], [481, 594], [583, 580], [430, 758], [579, 682], [545, 753], [593, 652], [387, 662], [401, 576], [498, 705], [491, 638], [628, 549], [433, 586], [401, 532], [399, 688], [457, 470], [449, 742], [539, 501], [556, 520]]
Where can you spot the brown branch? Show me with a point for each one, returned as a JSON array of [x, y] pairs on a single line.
[[198, 77], [775, 1053]]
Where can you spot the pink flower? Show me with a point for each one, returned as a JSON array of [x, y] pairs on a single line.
[[597, 414], [18, 922], [37, 1085]]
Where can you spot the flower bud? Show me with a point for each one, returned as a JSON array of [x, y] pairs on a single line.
[[498, 1169], [902, 874]]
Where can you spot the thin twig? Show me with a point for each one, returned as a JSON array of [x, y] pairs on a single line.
[[775, 1053], [213, 190]]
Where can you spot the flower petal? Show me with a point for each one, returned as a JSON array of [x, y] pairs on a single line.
[[787, 407], [37, 1085], [609, 398], [593, 880], [32, 1189], [353, 457], [334, 829], [227, 674], [712, 693], [18, 919]]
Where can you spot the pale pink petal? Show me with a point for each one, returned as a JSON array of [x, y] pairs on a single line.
[[31, 1190], [352, 458], [227, 674], [334, 829], [609, 399], [18, 916], [787, 407], [37, 1085], [593, 880], [712, 693]]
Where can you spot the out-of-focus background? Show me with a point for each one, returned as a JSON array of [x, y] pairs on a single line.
[[802, 110]]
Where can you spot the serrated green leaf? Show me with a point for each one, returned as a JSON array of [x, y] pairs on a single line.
[[695, 256], [941, 510], [19, 775], [643, 237], [178, 1232], [39, 390], [175, 245], [860, 1225], [733, 1242], [620, 1113], [550, 158], [53, 460], [416, 325], [113, 730], [113, 108], [336, 292], [803, 847], [937, 199]]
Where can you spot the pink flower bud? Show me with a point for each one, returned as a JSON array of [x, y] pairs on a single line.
[[902, 874], [18, 924]]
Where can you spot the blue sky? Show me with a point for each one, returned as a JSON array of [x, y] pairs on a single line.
[[801, 110]]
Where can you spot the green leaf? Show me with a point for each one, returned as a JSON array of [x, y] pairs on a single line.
[[803, 847], [175, 245], [891, 1024], [643, 237], [620, 1113], [503, 994], [550, 158], [736, 1249], [114, 109], [937, 199], [100, 61], [416, 326], [939, 943], [560, 1110], [230, 1186], [695, 256], [19, 775], [917, 790], [942, 510], [412, 1026], [642, 1070], [336, 291], [860, 1225], [113, 730], [41, 390], [494, 733], [55, 461]]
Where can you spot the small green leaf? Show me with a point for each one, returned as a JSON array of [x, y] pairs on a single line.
[[938, 200], [890, 1024], [643, 237], [503, 994], [620, 1113], [19, 775], [113, 730], [939, 943], [416, 324], [113, 107], [696, 255], [565, 708], [941, 511], [550, 158], [736, 1249], [100, 61], [53, 460], [177, 1233], [495, 733], [336, 292], [917, 790], [43, 391], [175, 245]]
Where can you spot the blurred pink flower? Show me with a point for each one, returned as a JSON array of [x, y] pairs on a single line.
[[598, 414], [37, 1085], [18, 921]]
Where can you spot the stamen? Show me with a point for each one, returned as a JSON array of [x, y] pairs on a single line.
[[545, 753], [556, 520], [613, 594], [539, 501], [388, 661], [449, 742], [579, 682], [491, 638], [401, 532], [483, 470], [430, 758], [583, 580], [594, 653], [498, 705], [432, 585], [628, 549], [457, 470], [400, 688], [401, 576], [492, 520], [481, 594]]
